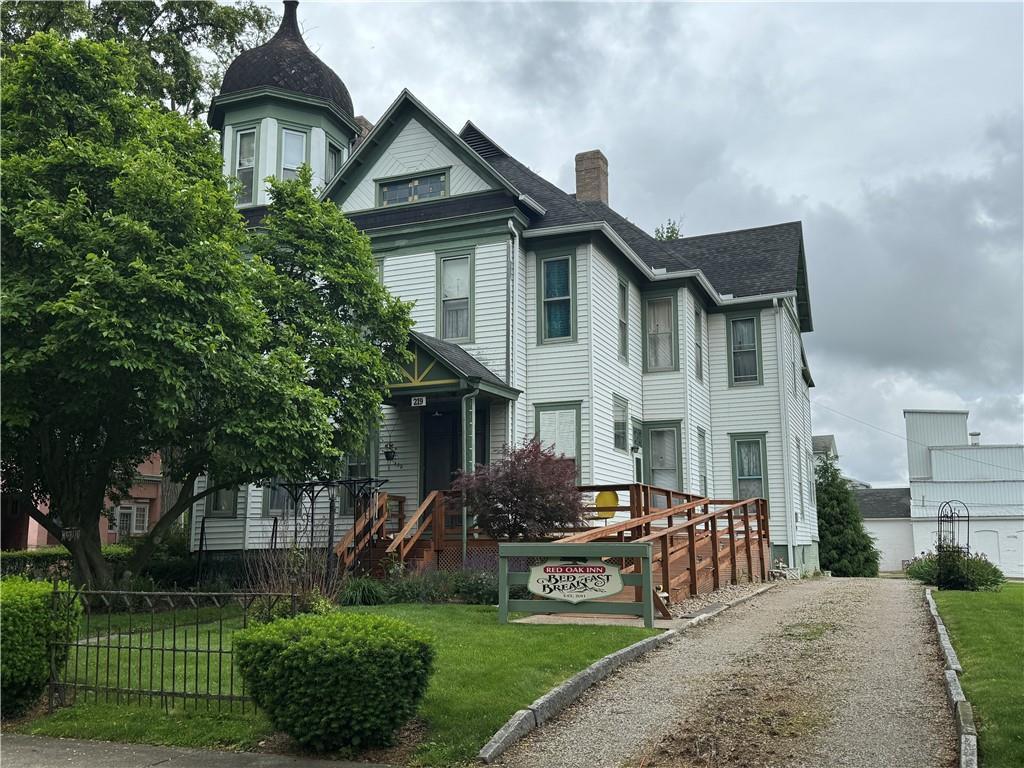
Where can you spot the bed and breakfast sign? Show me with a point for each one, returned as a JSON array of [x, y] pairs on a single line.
[[574, 580]]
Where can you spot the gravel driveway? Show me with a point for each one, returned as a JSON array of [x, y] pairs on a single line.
[[828, 672]]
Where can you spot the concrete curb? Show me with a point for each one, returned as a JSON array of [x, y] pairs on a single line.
[[561, 696], [962, 711]]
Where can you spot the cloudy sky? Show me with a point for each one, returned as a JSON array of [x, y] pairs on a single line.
[[894, 132]]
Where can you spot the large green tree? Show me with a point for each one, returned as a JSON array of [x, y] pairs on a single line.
[[180, 48], [845, 549], [133, 317]]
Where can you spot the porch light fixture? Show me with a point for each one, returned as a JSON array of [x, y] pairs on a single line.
[[390, 454]]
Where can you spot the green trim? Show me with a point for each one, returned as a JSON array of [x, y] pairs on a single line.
[[619, 400], [268, 100], [565, 405], [305, 130], [649, 296], [455, 232], [542, 256], [378, 195], [756, 317], [698, 343], [440, 257], [233, 165], [623, 282], [735, 437], [650, 426]]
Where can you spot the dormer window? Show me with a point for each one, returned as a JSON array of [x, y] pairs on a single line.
[[293, 153], [245, 165], [412, 189]]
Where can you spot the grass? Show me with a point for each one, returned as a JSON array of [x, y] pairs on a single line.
[[987, 630], [484, 672]]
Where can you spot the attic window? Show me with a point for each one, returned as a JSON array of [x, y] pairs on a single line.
[[412, 189]]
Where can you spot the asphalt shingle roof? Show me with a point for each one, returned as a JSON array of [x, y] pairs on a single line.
[[746, 262], [457, 358], [883, 503]]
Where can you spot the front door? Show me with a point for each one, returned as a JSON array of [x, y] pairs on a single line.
[[441, 433]]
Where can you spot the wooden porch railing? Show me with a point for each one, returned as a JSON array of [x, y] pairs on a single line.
[[429, 516], [713, 520]]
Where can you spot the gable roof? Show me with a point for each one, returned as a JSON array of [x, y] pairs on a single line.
[[883, 503], [458, 359], [748, 262], [408, 103]]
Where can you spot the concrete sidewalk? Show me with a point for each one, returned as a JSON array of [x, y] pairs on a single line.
[[17, 751]]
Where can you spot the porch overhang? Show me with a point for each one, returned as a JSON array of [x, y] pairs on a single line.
[[443, 369]]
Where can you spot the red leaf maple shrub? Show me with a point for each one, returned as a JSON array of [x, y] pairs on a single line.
[[527, 494]]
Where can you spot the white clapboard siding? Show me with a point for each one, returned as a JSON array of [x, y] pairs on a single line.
[[490, 303], [612, 376], [521, 340], [748, 409], [697, 394], [414, 149], [413, 277], [221, 533], [401, 427], [559, 372]]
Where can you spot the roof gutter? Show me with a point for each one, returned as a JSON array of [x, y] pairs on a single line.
[[652, 274]]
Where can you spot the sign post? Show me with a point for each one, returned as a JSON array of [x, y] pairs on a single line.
[[575, 578]]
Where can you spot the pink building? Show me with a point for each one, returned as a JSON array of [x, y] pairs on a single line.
[[132, 516]]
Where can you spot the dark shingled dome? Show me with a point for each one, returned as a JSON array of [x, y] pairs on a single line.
[[286, 62]]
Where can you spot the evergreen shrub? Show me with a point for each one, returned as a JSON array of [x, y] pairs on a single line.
[[340, 680], [28, 623]]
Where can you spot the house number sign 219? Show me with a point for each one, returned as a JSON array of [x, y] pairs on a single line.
[[574, 580], [419, 402]]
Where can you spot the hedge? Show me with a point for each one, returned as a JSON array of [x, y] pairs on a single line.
[[45, 562], [336, 680], [28, 623]]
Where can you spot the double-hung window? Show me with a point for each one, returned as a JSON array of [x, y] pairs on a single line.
[[664, 460], [623, 320], [558, 428], [702, 460], [245, 165], [661, 345], [698, 344], [222, 502], [620, 423], [455, 304], [748, 467], [812, 491], [556, 298], [293, 153], [744, 355], [334, 159], [277, 501]]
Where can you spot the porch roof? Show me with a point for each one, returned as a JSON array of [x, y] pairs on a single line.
[[441, 366]]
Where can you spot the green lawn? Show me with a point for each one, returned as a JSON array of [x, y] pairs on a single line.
[[987, 630], [484, 672]]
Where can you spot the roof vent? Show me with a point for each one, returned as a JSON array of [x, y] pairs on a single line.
[[975, 438], [480, 143]]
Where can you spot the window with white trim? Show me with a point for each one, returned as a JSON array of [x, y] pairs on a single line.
[[277, 500], [245, 165], [293, 153], [812, 491], [799, 482], [743, 337], [222, 502]]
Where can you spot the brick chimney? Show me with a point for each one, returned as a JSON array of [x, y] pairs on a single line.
[[592, 176]]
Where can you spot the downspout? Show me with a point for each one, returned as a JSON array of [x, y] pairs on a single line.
[[787, 470], [473, 394], [511, 266]]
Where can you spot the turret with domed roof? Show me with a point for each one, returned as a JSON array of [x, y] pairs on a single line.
[[279, 107]]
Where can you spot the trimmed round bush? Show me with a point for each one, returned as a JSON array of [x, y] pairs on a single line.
[[337, 680], [28, 622]]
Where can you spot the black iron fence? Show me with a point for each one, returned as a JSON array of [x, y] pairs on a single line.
[[166, 649]]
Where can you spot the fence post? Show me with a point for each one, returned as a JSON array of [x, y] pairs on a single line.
[[715, 554], [732, 546], [666, 572], [502, 589], [648, 592], [762, 526], [53, 648], [691, 544], [746, 544]]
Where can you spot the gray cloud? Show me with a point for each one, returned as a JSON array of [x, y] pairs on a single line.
[[893, 131]]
